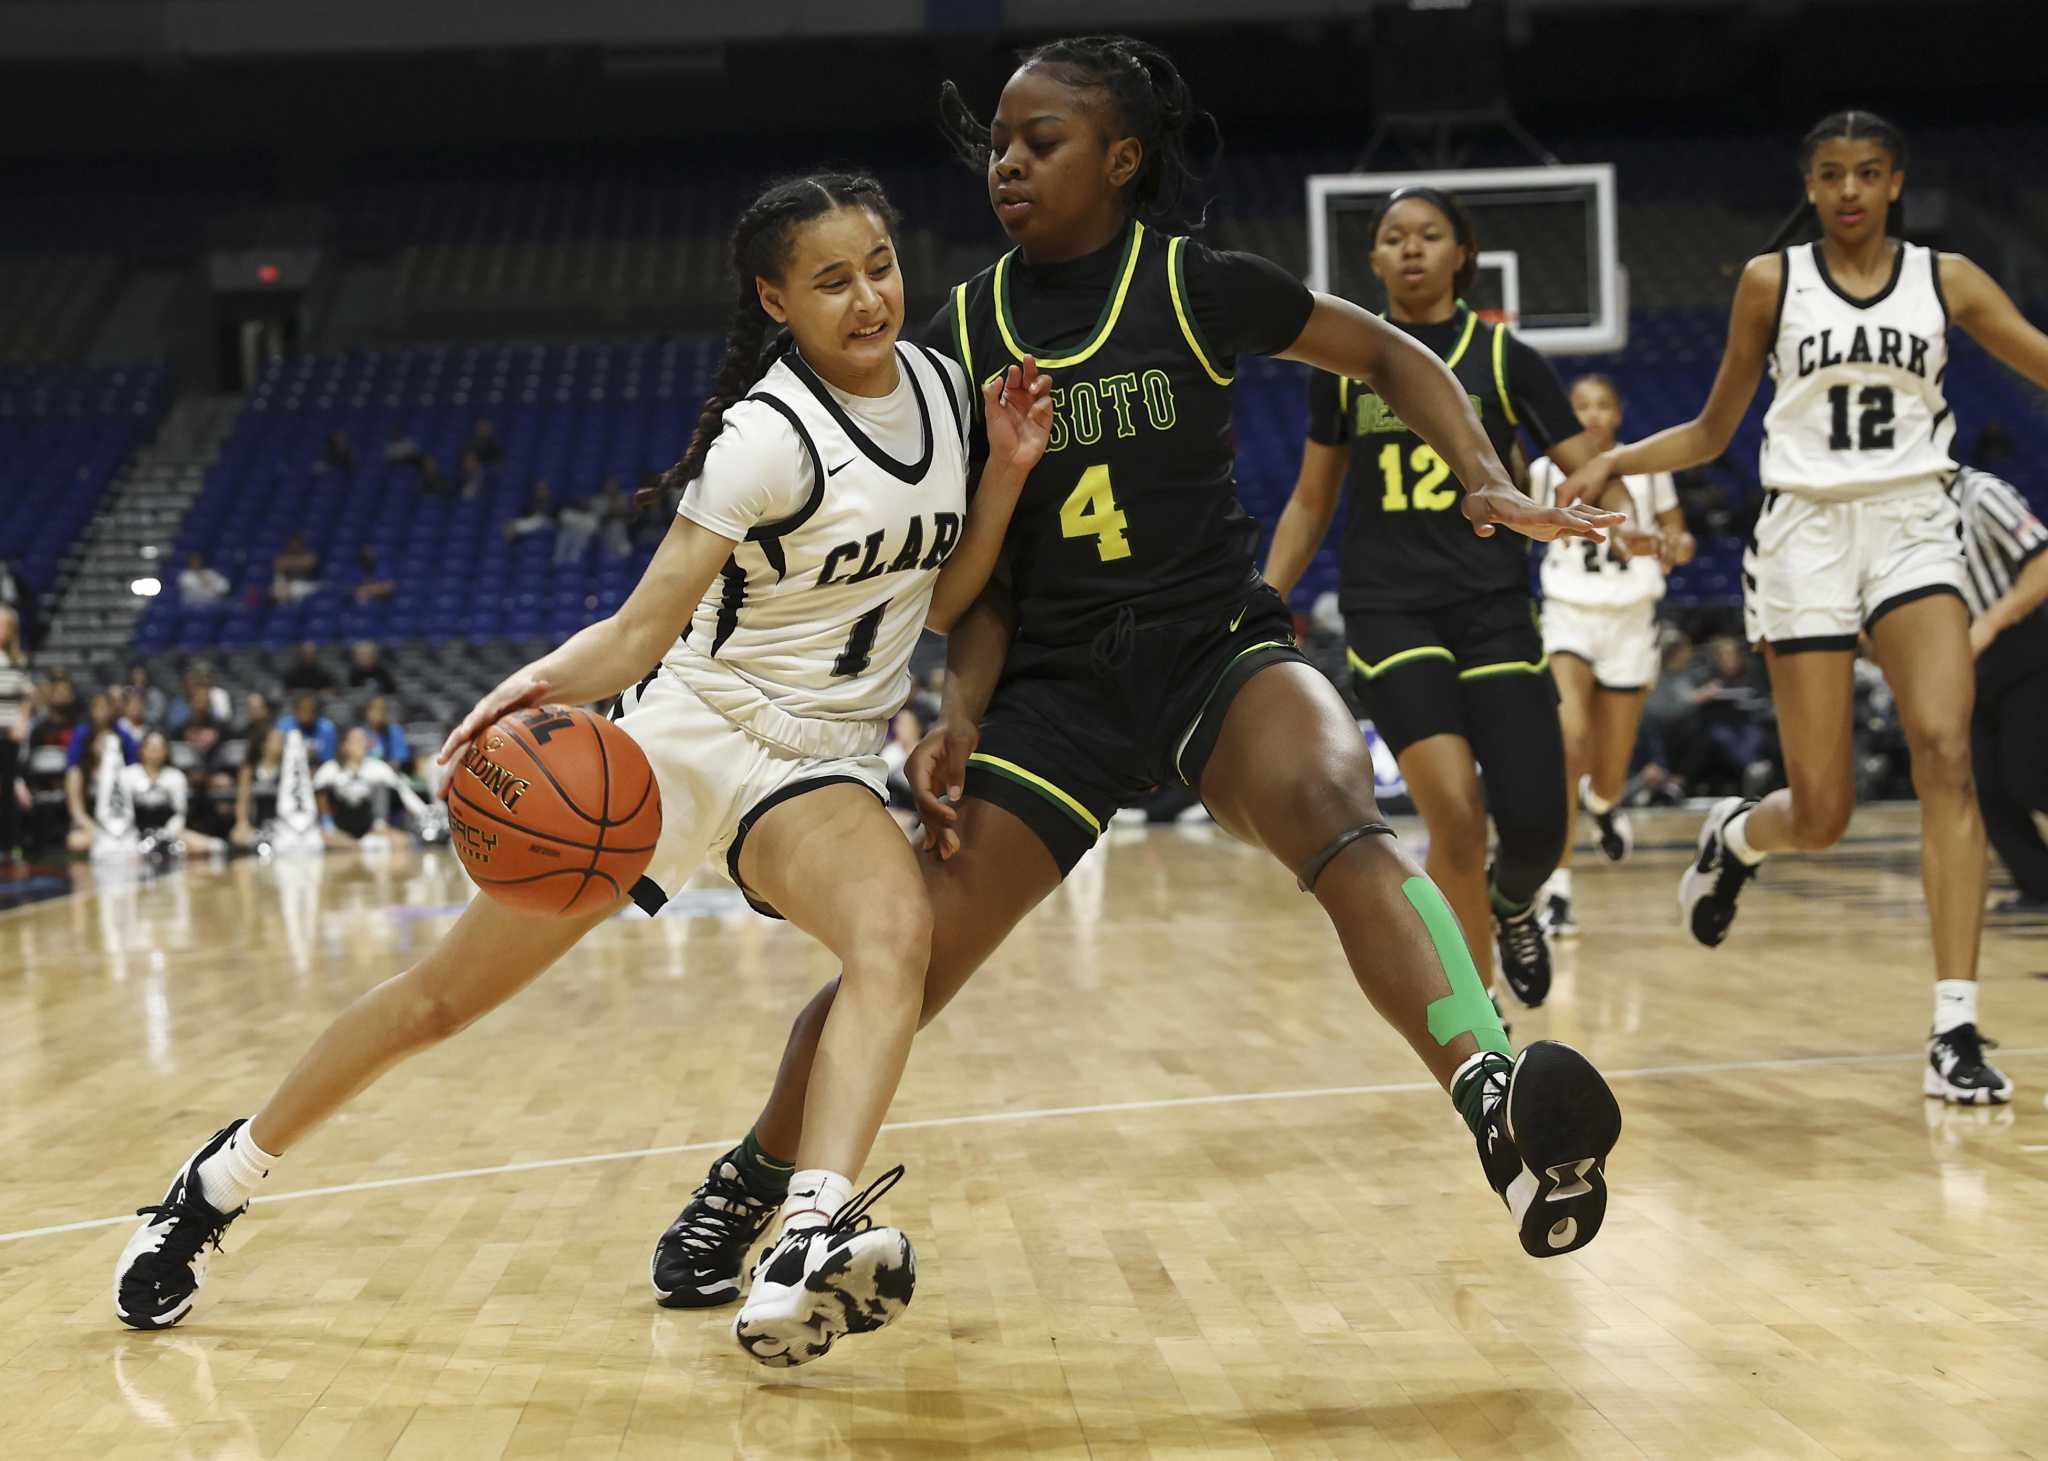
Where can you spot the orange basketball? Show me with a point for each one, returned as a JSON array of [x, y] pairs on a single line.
[[554, 810]]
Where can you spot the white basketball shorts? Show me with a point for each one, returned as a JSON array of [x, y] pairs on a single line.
[[1821, 570], [716, 781], [1619, 642]]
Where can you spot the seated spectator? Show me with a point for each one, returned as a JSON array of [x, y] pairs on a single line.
[[388, 741], [201, 587], [294, 571], [306, 672], [17, 700], [256, 785], [18, 594], [376, 584], [308, 720], [366, 667], [153, 701], [256, 716], [400, 450], [199, 676], [202, 730], [619, 518], [484, 444], [81, 761], [56, 712], [579, 524], [1732, 717], [476, 477], [538, 515], [132, 712], [336, 455], [432, 482]]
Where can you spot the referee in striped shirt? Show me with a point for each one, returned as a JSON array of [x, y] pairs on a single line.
[[2005, 551]]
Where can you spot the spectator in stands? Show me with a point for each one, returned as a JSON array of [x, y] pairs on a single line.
[[388, 741], [337, 455], [376, 584], [202, 729], [17, 701], [537, 516], [476, 477], [432, 482], [295, 571], [400, 450], [18, 594], [306, 672], [484, 444], [81, 761], [56, 713], [256, 718], [199, 679], [309, 721], [577, 525], [154, 703], [1732, 712], [256, 784], [201, 587], [619, 518], [1665, 737], [132, 711], [366, 667]]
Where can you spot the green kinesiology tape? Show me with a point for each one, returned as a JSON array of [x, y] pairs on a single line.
[[1465, 1010]]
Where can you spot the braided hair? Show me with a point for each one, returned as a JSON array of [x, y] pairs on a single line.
[[760, 248], [1149, 100], [1464, 232], [1849, 126]]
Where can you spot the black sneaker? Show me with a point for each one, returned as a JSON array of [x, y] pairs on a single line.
[[1714, 879], [1558, 919], [818, 1284], [697, 1263], [1524, 955], [1957, 1070], [165, 1262], [1617, 832], [1544, 1144]]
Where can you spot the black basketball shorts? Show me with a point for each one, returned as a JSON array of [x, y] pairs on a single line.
[[1416, 672]]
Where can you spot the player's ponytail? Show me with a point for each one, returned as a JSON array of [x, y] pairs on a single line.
[[1849, 126], [1150, 100], [760, 248]]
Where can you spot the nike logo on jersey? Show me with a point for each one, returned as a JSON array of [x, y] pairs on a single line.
[[1238, 620], [1894, 348], [945, 532], [835, 471]]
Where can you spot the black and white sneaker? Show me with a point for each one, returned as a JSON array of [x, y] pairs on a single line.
[[697, 1263], [1524, 954], [1714, 879], [1558, 919], [1957, 1070], [1544, 1144], [816, 1284], [165, 1262], [1617, 832]]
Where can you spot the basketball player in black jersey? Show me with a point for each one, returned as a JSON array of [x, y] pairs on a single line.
[[1135, 641], [1444, 644]]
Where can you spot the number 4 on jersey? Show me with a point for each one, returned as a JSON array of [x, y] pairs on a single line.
[[1090, 511]]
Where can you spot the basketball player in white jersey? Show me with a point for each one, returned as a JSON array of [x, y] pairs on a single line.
[[1857, 535], [824, 521], [1600, 631]]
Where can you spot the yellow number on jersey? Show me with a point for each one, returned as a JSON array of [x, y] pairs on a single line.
[[1430, 495], [1090, 511]]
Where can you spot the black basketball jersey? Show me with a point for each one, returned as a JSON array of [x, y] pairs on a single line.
[[1135, 498], [1406, 544]]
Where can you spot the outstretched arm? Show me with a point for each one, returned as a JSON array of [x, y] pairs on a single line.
[[1345, 340], [1987, 314], [1707, 435]]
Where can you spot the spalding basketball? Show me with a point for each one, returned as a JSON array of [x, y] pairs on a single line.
[[554, 810]]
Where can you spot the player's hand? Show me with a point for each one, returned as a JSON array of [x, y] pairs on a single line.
[[1983, 631], [1588, 482], [1017, 406], [516, 691], [937, 772], [1508, 507]]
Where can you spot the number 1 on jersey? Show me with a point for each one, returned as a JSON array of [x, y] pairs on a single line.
[[1090, 511]]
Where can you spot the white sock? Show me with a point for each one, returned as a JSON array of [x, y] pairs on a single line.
[[1735, 842], [229, 1177], [1560, 884], [1955, 1003], [815, 1197], [1591, 800]]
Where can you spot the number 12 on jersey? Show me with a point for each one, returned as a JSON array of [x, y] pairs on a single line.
[[1090, 511]]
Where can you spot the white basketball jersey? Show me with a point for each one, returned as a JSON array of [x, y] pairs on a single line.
[[1859, 410], [1593, 574], [806, 639]]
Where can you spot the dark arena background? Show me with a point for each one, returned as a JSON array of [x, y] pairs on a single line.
[[337, 338]]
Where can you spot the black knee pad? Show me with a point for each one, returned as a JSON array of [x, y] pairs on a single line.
[[1305, 877]]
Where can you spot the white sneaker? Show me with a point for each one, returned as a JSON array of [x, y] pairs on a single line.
[[816, 1284]]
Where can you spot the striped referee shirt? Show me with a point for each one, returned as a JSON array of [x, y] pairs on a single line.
[[2000, 532]]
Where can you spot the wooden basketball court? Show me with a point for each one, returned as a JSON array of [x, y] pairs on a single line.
[[1174, 1189]]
